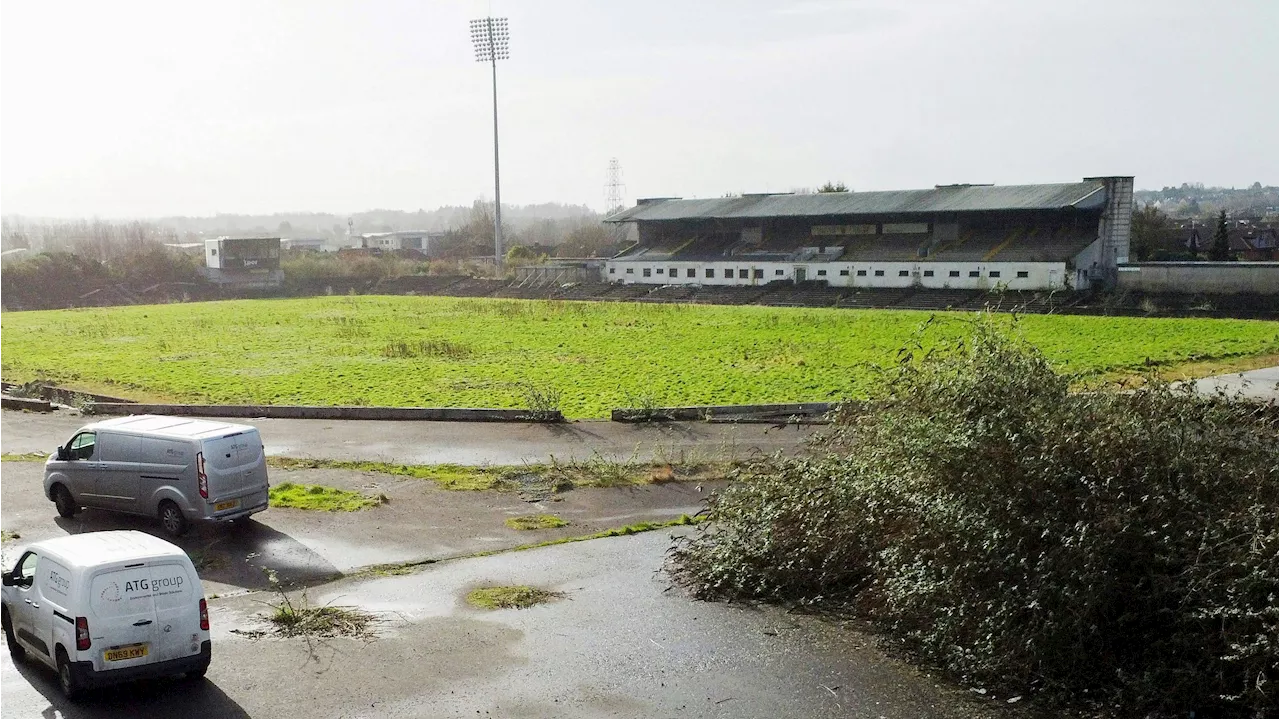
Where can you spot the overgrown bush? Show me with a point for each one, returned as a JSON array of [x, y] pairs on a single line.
[[1115, 549]]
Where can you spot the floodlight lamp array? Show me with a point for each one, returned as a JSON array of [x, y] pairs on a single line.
[[490, 37]]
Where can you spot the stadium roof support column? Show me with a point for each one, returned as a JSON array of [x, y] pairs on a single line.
[[1116, 222]]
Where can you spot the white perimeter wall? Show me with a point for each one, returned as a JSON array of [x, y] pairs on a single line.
[[933, 275], [1207, 277]]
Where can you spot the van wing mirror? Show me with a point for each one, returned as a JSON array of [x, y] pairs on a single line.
[[6, 579], [63, 454]]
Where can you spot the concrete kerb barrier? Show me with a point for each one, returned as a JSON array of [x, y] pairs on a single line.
[[24, 403], [438, 414], [53, 393], [805, 412]]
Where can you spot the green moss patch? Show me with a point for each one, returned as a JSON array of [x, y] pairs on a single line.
[[553, 476], [317, 497], [512, 597], [535, 521]]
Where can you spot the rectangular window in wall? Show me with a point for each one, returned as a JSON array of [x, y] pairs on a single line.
[[647, 272], [862, 273], [879, 273], [778, 273], [758, 274], [613, 270], [822, 273], [903, 273], [690, 272], [711, 274], [973, 273], [844, 273], [1022, 275], [659, 270], [742, 274], [928, 273], [631, 270], [673, 272], [993, 274], [954, 273], [728, 274]]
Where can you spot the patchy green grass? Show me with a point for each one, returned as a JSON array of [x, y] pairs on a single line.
[[555, 476], [447, 476], [589, 356], [401, 568], [317, 497], [536, 521], [23, 457], [7, 536], [513, 597], [628, 530]]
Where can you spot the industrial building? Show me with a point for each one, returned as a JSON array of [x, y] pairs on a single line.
[[972, 237], [420, 240], [243, 261]]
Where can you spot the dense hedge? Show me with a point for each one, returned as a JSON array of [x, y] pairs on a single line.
[[1113, 549]]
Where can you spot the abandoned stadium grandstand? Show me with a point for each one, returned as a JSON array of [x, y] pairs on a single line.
[[955, 237]]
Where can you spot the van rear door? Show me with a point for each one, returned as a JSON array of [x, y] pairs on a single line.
[[237, 472], [176, 592], [123, 624]]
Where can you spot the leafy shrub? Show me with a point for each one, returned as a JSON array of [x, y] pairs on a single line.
[[1117, 546]]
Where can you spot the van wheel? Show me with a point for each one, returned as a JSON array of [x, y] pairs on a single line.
[[172, 518], [68, 680], [16, 650], [65, 503]]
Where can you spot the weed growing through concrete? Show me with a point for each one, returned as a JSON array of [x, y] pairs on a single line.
[[205, 561], [7, 536], [298, 618], [513, 597], [536, 521], [317, 497]]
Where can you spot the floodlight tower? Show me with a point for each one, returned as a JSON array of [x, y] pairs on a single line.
[[489, 36], [614, 186]]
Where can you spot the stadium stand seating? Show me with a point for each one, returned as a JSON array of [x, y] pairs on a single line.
[[885, 248], [473, 287], [939, 299], [874, 297], [416, 284], [805, 294]]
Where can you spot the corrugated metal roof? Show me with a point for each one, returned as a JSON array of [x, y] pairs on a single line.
[[952, 198]]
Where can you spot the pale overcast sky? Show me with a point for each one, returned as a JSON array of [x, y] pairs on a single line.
[[139, 109]]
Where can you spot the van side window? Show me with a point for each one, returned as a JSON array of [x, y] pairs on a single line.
[[82, 446], [25, 573]]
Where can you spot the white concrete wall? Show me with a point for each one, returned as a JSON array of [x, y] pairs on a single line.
[[935, 275], [1206, 277]]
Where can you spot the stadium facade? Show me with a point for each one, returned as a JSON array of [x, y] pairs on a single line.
[[1018, 237]]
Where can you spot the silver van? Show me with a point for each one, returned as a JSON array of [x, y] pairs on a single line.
[[175, 468]]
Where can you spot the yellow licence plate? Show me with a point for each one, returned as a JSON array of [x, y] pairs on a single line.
[[226, 505], [131, 652]]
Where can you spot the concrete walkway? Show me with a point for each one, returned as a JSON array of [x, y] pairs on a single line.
[[1261, 384]]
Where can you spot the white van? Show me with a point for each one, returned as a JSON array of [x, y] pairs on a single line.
[[174, 468], [106, 607]]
